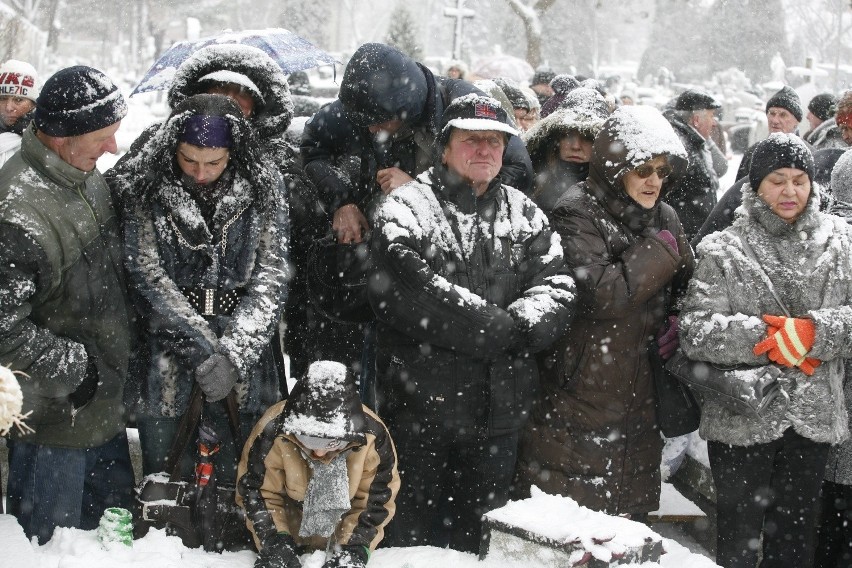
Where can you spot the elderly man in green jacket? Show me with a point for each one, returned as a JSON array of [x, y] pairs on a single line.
[[64, 317]]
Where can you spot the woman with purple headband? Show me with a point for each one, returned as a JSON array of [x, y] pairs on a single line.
[[206, 236]]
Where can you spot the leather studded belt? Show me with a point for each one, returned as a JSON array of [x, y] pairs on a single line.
[[212, 301]]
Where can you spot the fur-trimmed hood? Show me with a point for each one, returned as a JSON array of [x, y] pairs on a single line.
[[162, 180], [271, 119]]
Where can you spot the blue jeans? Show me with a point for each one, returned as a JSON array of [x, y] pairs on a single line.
[[64, 487]]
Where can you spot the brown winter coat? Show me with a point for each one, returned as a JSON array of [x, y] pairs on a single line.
[[592, 434]]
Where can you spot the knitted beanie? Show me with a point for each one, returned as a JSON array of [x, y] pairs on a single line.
[[779, 151], [823, 105], [77, 100], [542, 76], [18, 79], [787, 99]]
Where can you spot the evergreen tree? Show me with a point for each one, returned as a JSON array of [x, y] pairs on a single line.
[[402, 33]]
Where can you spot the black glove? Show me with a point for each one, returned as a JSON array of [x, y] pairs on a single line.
[[85, 391], [349, 556], [216, 376], [279, 551]]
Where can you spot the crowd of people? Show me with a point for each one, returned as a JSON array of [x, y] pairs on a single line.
[[529, 247]]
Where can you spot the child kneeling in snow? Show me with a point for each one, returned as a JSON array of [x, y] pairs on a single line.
[[319, 471]]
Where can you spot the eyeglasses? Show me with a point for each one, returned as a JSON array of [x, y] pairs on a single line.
[[646, 169]]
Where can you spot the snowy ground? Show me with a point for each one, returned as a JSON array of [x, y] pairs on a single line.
[[73, 548]]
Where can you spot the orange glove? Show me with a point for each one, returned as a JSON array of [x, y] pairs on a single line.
[[788, 342]]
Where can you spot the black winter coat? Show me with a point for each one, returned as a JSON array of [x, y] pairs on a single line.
[[464, 289], [693, 193]]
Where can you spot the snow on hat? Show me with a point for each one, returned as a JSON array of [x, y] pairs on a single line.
[[779, 151], [325, 404], [823, 105], [513, 92], [77, 100], [542, 76], [787, 99], [475, 112], [18, 79], [562, 85], [692, 99], [228, 76]]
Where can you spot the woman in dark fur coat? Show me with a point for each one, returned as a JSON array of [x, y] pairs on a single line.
[[206, 234]]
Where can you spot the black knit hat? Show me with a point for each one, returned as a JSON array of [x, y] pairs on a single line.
[[542, 76], [77, 100], [691, 100], [823, 105], [779, 151], [787, 99]]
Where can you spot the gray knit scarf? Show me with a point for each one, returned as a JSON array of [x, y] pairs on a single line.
[[326, 497]]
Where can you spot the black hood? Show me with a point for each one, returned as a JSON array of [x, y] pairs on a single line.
[[381, 83]]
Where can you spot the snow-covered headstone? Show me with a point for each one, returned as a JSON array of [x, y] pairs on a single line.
[[553, 531]]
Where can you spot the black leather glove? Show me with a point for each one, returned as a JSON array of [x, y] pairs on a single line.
[[279, 551], [216, 376], [349, 556]]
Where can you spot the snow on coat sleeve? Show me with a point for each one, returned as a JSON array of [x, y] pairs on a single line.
[[710, 329], [411, 297], [25, 345], [257, 315], [549, 296]]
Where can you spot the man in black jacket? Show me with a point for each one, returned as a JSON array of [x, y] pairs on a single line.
[[466, 286], [693, 193]]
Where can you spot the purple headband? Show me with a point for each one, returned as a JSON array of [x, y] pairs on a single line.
[[207, 131]]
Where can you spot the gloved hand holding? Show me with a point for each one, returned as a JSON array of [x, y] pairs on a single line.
[[668, 238], [668, 338], [279, 551], [216, 376], [349, 556], [788, 342]]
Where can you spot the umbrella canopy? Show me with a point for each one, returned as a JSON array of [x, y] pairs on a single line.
[[504, 66], [290, 51]]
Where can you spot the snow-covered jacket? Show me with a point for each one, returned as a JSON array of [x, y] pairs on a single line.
[[64, 314], [693, 193], [330, 139], [173, 253], [593, 432], [809, 263], [826, 135], [839, 466], [464, 288], [274, 472]]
